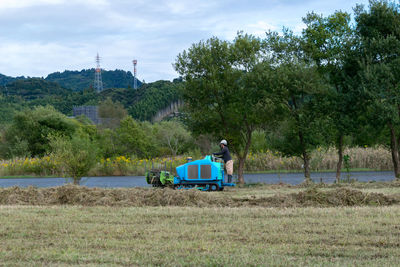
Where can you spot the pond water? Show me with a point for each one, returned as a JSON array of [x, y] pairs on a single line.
[[139, 181]]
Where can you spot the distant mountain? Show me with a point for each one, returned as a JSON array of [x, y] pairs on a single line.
[[84, 79], [80, 80], [33, 88], [31, 92], [4, 80]]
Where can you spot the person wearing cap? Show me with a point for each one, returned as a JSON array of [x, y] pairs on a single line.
[[226, 156]]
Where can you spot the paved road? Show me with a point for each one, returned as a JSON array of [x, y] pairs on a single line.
[[139, 181], [326, 177]]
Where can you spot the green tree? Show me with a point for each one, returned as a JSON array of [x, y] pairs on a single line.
[[378, 31], [34, 126], [77, 154], [300, 83], [228, 91], [131, 139], [259, 142], [107, 141], [328, 42], [174, 136], [111, 113], [303, 128], [9, 106]]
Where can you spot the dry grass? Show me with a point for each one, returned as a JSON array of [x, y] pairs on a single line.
[[377, 158], [192, 236], [264, 196]]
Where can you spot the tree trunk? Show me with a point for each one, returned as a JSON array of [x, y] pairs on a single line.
[[340, 160], [76, 181], [240, 170], [242, 156], [395, 151], [306, 160], [398, 155]]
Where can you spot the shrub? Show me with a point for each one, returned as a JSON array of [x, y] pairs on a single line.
[[77, 155]]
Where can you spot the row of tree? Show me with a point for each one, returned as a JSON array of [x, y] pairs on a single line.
[[337, 80]]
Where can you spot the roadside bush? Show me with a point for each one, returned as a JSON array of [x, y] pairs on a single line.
[[77, 155]]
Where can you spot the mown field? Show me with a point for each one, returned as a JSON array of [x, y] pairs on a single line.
[[174, 236], [202, 229]]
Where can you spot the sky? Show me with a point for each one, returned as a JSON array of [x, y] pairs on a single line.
[[38, 37]]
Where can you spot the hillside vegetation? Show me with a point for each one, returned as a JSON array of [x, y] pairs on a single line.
[[4, 80], [80, 80], [141, 104], [83, 79]]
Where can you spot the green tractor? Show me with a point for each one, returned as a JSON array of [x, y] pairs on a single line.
[[159, 178]]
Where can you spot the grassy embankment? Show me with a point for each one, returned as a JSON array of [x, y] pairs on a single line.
[[240, 227], [377, 158]]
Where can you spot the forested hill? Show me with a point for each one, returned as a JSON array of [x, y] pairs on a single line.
[[144, 103], [33, 88], [4, 80], [80, 80], [141, 104]]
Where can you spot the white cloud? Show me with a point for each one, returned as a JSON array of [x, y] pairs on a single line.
[[299, 28], [6, 4], [259, 28], [38, 37], [188, 7], [36, 59], [92, 3]]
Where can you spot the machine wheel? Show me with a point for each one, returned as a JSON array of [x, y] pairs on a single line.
[[213, 187]]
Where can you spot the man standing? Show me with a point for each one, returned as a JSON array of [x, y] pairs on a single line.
[[224, 153]]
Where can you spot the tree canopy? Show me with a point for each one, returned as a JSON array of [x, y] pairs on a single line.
[[229, 90]]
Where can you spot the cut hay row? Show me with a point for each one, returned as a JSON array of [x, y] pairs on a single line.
[[138, 197]]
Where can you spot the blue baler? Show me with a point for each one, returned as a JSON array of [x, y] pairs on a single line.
[[205, 174]]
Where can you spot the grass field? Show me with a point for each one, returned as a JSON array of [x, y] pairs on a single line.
[[210, 235], [174, 236]]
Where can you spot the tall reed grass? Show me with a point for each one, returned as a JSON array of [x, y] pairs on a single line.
[[375, 158]]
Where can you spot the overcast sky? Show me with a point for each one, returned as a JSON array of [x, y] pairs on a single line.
[[38, 37]]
